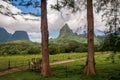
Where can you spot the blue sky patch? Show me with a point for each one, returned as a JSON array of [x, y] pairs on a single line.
[[28, 6]]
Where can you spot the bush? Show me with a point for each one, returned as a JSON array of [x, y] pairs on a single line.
[[53, 49]]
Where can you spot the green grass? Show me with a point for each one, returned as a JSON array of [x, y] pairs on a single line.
[[105, 70], [21, 60]]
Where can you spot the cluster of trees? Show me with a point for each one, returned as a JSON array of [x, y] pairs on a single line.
[[67, 47], [19, 47], [27, 47], [111, 43], [90, 64]]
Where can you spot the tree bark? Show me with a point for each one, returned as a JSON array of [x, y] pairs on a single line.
[[90, 64], [44, 31]]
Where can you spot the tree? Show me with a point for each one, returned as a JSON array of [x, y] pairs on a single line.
[[44, 30], [110, 9], [90, 65]]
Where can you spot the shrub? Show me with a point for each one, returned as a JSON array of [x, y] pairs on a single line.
[[53, 49]]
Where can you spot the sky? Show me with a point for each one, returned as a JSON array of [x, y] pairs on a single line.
[[56, 20], [27, 9]]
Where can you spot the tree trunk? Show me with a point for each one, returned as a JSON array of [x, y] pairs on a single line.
[[44, 31], [90, 65]]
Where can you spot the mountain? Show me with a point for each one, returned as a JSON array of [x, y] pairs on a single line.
[[65, 30], [4, 35], [66, 34], [18, 35]]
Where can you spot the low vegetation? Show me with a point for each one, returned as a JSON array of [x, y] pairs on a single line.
[[27, 47], [21, 60], [19, 47], [73, 71]]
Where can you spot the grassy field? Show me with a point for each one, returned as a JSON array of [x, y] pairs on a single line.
[[73, 71], [21, 60]]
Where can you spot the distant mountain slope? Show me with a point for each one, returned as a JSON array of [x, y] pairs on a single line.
[[4, 35], [18, 35], [67, 34]]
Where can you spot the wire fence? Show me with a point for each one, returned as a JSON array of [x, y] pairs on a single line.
[[30, 63]]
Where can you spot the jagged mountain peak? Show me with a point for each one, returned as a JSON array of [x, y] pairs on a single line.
[[18, 35], [65, 30]]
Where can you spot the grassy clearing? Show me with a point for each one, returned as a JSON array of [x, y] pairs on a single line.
[[21, 60], [73, 71]]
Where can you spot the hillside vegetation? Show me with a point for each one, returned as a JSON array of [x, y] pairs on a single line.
[[66, 42], [67, 34], [19, 47]]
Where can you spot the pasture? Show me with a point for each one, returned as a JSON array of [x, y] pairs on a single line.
[[23, 60], [106, 70]]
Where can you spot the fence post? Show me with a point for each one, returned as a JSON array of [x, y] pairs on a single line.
[[66, 68], [15, 64], [29, 63], [9, 64]]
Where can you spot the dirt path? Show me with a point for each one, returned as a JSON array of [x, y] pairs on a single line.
[[13, 70], [27, 67], [66, 61]]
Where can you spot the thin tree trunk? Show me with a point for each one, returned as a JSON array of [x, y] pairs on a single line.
[[90, 65], [44, 31]]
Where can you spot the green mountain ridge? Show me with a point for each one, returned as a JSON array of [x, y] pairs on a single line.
[[66, 34]]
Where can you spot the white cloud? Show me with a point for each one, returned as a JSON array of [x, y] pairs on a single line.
[[56, 20], [34, 36]]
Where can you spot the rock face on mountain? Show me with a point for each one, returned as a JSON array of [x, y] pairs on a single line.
[[18, 35], [66, 34], [65, 29], [4, 35]]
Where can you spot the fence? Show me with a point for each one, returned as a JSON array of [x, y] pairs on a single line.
[[34, 63]]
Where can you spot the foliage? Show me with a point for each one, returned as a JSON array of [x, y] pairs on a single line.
[[53, 49], [74, 5], [110, 10], [19, 47], [67, 46], [111, 43]]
